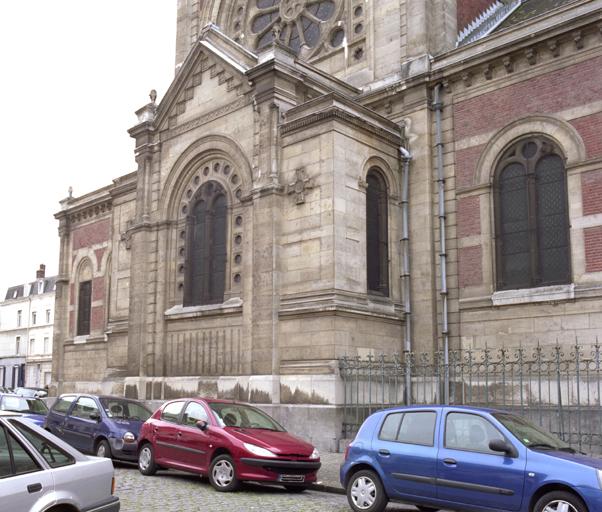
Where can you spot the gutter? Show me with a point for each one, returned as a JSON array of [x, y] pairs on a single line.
[[438, 107]]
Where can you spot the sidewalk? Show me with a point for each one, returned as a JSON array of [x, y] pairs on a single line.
[[328, 476]]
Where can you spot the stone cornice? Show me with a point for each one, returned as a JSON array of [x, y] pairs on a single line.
[[335, 107]]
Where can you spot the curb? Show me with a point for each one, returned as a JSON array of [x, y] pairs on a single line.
[[327, 488]]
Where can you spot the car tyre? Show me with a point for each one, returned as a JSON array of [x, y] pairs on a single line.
[[103, 449], [366, 493], [296, 489], [557, 500], [146, 460], [222, 474]]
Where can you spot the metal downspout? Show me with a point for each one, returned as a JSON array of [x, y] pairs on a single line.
[[406, 157], [438, 107]]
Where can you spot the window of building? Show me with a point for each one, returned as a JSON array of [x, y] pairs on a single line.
[[19, 317], [40, 287], [47, 316], [32, 346], [206, 247], [532, 222], [377, 233], [47, 348], [84, 308], [34, 317], [18, 345]]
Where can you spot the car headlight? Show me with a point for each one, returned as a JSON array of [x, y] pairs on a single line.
[[258, 450], [599, 473], [128, 437], [315, 454]]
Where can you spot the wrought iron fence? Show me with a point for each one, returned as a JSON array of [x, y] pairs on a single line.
[[556, 386]]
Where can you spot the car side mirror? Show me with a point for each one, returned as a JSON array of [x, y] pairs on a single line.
[[94, 416], [501, 445], [202, 425]]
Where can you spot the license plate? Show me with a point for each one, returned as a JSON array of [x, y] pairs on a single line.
[[292, 478]]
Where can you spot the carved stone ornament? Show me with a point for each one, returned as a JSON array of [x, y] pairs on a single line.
[[301, 184]]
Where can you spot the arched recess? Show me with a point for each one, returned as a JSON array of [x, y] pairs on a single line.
[[377, 232], [560, 132], [391, 178], [83, 297]]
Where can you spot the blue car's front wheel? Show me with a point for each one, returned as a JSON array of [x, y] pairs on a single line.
[[365, 492], [559, 501]]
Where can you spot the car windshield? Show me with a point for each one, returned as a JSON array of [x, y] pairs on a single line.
[[124, 409], [23, 404], [531, 435], [243, 416]]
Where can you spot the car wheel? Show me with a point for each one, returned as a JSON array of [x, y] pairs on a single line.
[[559, 501], [365, 492], [295, 488], [146, 460], [103, 449], [222, 474]]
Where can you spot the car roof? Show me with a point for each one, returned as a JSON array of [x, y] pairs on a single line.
[[4, 414], [467, 408], [89, 395]]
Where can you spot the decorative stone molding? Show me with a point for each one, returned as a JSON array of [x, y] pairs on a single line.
[[578, 39], [90, 212], [529, 295], [531, 55], [301, 184], [508, 64], [554, 47]]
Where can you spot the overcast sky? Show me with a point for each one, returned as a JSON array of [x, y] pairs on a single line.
[[73, 74]]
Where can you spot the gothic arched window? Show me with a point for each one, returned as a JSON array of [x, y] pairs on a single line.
[[532, 222], [206, 246], [84, 298], [377, 233]]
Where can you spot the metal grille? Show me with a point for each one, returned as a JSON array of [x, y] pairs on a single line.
[[557, 387]]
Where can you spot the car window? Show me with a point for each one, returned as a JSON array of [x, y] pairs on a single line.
[[54, 456], [171, 412], [470, 432], [62, 404], [243, 416], [22, 404], [125, 409], [388, 431], [194, 412], [418, 428], [22, 461], [5, 467], [84, 407]]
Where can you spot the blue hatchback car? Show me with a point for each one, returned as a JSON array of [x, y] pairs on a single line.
[[106, 426], [469, 459], [34, 409]]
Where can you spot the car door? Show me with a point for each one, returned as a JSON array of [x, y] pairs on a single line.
[[469, 473], [192, 441], [407, 453], [165, 432], [58, 412], [23, 481], [81, 424]]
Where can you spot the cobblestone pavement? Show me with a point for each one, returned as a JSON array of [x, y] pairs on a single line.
[[173, 491]]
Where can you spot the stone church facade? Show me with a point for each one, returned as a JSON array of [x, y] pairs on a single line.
[[295, 182]]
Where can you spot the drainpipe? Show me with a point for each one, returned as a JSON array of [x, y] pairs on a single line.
[[438, 107], [406, 157]]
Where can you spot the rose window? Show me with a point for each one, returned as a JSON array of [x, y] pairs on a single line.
[[295, 23]]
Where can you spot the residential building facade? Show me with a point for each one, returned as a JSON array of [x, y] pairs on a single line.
[[26, 333], [341, 178]]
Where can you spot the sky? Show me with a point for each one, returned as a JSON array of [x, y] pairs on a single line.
[[72, 74]]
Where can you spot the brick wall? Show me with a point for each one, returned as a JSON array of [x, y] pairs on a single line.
[[572, 86], [91, 234], [593, 249], [466, 165], [470, 266], [591, 190], [469, 216], [468, 10], [590, 128]]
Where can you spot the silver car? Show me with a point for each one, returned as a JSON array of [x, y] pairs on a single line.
[[41, 473]]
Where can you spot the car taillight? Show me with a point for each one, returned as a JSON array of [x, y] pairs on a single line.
[[113, 485]]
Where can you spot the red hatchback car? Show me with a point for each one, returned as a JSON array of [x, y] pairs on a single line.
[[229, 442]]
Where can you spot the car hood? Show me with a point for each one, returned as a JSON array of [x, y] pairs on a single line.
[[578, 458], [281, 443], [132, 426]]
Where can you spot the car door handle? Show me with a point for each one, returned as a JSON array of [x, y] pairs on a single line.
[[179, 434], [450, 462], [384, 453], [34, 488]]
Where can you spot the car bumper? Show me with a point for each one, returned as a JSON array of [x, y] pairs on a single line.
[[279, 471], [124, 451], [111, 505]]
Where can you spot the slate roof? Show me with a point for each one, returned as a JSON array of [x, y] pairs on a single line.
[[530, 9], [17, 292]]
